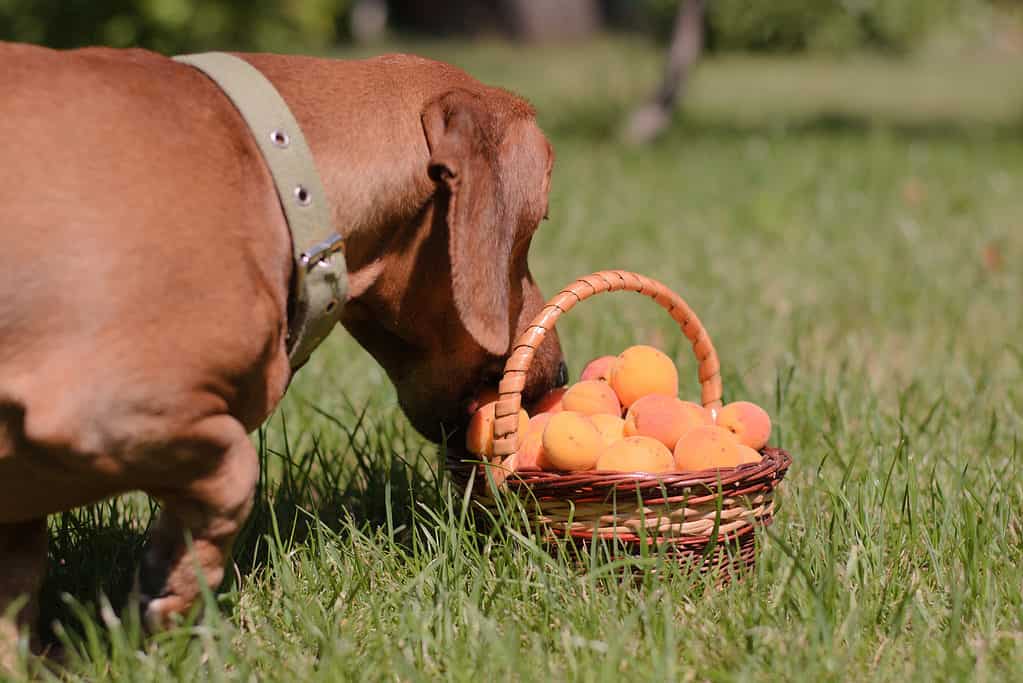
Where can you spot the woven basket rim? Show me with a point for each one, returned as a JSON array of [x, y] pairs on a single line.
[[669, 488], [775, 461]]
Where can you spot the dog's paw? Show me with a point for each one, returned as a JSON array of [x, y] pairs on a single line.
[[159, 607], [160, 614]]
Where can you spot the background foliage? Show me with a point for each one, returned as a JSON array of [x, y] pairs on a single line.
[[893, 26], [175, 25]]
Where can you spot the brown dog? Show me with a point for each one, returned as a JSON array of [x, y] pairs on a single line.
[[145, 274]]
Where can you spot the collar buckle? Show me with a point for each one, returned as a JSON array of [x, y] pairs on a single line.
[[319, 252]]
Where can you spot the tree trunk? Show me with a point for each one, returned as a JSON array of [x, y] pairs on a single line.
[[653, 118]]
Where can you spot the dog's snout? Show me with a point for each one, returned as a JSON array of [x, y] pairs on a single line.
[[562, 377]]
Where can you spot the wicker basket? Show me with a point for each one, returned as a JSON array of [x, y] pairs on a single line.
[[705, 520]]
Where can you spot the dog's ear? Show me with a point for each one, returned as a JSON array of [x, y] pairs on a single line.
[[462, 138]]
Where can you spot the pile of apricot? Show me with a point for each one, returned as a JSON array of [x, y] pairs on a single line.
[[624, 415]]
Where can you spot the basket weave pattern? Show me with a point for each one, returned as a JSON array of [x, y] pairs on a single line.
[[682, 512]]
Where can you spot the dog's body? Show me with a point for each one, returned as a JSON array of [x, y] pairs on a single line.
[[146, 265]]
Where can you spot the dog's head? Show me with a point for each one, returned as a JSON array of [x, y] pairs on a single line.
[[453, 287]]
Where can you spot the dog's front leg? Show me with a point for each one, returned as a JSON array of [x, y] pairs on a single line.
[[22, 568], [198, 522]]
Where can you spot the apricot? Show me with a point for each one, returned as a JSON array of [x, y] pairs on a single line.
[[530, 449], [748, 421], [748, 455], [571, 442], [479, 437], [591, 397], [664, 418], [487, 395], [550, 402], [611, 427], [598, 368], [642, 370], [707, 447], [636, 454]]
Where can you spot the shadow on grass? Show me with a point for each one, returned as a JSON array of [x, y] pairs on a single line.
[[376, 481]]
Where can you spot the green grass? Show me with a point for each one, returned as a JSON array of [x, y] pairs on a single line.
[[829, 223]]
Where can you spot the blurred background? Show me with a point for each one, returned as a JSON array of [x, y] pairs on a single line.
[[781, 26], [809, 36], [630, 34]]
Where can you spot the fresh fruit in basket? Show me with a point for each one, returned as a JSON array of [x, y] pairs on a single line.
[[749, 456], [664, 418], [486, 395], [748, 421], [611, 427], [592, 397], [636, 454], [580, 428], [598, 368], [551, 402], [706, 447], [530, 450], [571, 443], [642, 370], [479, 438]]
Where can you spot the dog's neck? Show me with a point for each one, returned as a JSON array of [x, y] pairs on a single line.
[[369, 148], [370, 204]]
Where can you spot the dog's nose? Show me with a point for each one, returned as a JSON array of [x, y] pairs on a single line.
[[562, 378]]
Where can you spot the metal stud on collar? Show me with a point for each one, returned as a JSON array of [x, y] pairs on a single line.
[[280, 138]]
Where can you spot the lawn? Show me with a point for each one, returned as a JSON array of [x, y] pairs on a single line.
[[850, 232]]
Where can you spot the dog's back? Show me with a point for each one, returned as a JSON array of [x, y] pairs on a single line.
[[133, 248]]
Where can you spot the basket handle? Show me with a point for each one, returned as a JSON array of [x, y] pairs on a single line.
[[514, 380]]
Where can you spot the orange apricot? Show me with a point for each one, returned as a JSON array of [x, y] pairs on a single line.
[[636, 454], [486, 395], [748, 455], [479, 437], [705, 448], [598, 368], [611, 427], [550, 402], [538, 422], [642, 370], [570, 442], [748, 421], [530, 449], [664, 418], [590, 397]]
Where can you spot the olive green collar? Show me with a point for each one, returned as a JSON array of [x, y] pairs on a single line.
[[320, 280]]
